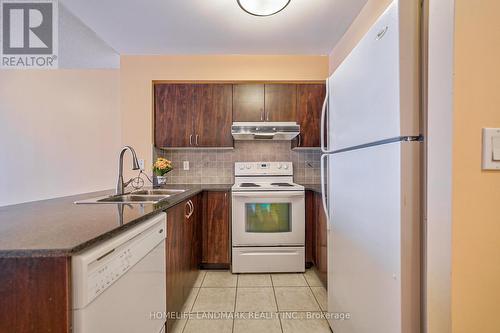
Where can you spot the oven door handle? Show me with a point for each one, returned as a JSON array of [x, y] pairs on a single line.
[[269, 194]]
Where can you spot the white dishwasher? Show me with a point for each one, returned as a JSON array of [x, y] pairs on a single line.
[[119, 286]]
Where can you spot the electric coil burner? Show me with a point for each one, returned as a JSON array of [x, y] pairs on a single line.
[[249, 185], [282, 184], [268, 219]]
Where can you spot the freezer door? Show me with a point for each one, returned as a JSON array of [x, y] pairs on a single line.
[[364, 103], [366, 251]]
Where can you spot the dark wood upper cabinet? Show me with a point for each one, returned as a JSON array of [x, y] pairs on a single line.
[[173, 123], [216, 246], [193, 115], [280, 102], [248, 102], [201, 115], [310, 98], [213, 115], [264, 102]]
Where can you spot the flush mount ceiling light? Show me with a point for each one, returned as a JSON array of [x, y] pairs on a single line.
[[263, 7]]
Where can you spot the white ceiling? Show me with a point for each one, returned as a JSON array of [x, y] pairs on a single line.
[[215, 26]]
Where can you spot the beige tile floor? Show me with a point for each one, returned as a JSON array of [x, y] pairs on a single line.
[[238, 295]]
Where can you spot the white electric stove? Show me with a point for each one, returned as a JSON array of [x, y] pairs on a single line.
[[268, 219]]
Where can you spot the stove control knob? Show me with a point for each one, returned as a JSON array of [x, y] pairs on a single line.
[[248, 166], [242, 167], [286, 166], [279, 166]]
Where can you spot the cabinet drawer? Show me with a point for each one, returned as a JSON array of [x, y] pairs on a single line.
[[269, 259]]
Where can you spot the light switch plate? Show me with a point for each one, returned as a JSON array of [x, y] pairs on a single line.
[[491, 148], [141, 164], [496, 148], [186, 165]]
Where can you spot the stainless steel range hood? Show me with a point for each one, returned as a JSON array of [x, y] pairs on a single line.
[[265, 130]]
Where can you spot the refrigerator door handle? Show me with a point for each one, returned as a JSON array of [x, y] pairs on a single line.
[[324, 148], [323, 189]]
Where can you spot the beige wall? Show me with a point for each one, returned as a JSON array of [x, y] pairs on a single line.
[[476, 193], [59, 132], [138, 72], [439, 143]]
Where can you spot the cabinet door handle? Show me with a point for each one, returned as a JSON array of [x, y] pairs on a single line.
[[186, 211], [192, 208], [196, 139], [190, 212], [262, 115], [267, 116], [300, 141], [191, 139]]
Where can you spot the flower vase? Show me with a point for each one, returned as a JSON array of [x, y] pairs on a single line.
[[161, 180]]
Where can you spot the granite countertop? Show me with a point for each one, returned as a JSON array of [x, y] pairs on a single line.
[[58, 227]]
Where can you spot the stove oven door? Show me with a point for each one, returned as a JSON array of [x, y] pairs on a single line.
[[268, 218]]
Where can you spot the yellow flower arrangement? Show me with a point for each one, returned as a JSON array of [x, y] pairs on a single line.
[[162, 166]]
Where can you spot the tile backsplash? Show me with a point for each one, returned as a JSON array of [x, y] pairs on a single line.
[[216, 166]]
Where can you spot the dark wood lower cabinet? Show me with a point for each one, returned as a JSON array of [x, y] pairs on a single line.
[[35, 294], [196, 239], [321, 236], [310, 228], [316, 236], [183, 249], [174, 260], [216, 228]]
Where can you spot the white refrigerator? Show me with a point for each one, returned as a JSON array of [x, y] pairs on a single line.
[[371, 187]]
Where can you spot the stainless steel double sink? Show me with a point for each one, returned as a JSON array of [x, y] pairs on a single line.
[[150, 196]]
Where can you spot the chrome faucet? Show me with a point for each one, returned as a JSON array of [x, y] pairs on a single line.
[[135, 166]]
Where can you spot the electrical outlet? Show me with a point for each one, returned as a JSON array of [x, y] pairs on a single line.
[[186, 165], [141, 164]]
